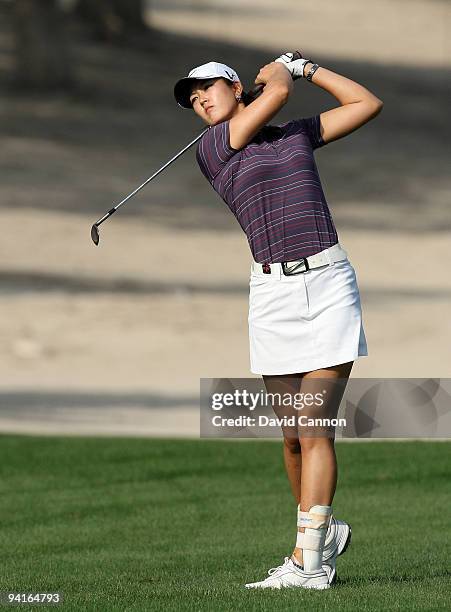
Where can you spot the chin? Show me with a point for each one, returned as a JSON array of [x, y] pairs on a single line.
[[216, 120], [218, 116]]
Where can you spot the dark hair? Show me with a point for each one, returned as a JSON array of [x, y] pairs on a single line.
[[246, 98]]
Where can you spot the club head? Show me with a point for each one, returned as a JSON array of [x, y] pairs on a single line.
[[95, 234]]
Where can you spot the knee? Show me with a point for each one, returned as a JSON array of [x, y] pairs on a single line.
[[292, 445], [308, 444]]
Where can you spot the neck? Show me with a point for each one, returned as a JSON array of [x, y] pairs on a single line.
[[238, 109]]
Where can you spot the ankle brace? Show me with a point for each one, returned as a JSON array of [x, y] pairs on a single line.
[[315, 522]]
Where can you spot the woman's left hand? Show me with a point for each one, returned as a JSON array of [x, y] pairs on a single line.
[[295, 67], [285, 58]]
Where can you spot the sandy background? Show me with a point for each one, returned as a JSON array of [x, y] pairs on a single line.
[[114, 339]]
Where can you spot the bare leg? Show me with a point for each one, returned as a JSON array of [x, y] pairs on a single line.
[[319, 463], [284, 384], [293, 465]]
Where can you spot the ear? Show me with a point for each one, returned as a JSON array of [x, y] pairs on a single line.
[[237, 88]]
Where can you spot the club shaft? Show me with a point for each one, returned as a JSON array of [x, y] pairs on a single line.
[[113, 210]]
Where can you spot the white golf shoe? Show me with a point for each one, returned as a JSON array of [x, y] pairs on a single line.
[[337, 541], [290, 575]]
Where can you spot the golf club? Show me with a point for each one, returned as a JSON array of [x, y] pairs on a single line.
[[253, 94], [95, 228]]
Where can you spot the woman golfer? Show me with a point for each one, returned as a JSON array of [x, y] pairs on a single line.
[[305, 319]]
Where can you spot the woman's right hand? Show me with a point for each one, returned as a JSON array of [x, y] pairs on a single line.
[[275, 71], [277, 86]]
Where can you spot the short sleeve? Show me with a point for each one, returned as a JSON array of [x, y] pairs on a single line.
[[214, 150], [311, 127]]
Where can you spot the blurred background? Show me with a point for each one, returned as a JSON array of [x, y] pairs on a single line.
[[114, 338]]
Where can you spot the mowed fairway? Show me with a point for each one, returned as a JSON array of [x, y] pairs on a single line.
[[148, 524]]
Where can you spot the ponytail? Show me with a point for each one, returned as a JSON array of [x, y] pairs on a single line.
[[246, 98]]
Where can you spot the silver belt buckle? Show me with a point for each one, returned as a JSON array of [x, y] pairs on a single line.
[[290, 268]]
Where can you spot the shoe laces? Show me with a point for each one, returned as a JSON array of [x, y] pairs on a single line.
[[274, 570]]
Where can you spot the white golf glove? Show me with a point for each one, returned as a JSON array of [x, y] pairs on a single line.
[[296, 67]]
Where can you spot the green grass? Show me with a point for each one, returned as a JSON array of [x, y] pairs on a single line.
[[143, 524]]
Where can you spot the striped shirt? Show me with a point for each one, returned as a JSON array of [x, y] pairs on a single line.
[[273, 188]]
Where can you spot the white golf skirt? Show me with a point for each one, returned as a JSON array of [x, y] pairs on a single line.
[[306, 321]]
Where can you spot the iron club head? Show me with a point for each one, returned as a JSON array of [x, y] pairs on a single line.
[[95, 234]]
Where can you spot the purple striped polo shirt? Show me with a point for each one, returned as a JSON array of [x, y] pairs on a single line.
[[273, 188]]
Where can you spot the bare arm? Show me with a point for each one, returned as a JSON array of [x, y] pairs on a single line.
[[358, 104], [278, 86]]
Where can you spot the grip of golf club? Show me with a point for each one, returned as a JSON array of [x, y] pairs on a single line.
[[258, 89]]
